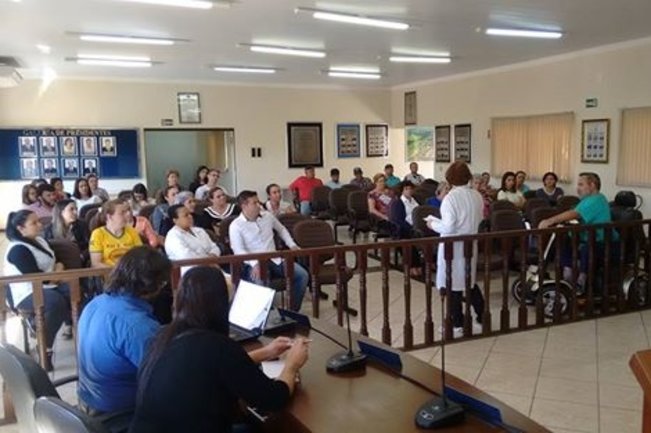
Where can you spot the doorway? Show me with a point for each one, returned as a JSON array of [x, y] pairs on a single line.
[[185, 150]]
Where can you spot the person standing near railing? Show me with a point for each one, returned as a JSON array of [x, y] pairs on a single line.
[[461, 214]]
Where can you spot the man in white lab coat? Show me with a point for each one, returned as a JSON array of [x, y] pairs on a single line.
[[461, 213]]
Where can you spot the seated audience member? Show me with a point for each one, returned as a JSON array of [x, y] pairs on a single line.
[[28, 253], [592, 209], [66, 225], [379, 199], [363, 183], [401, 209], [520, 177], [45, 203], [218, 210], [184, 241], [275, 203], [391, 179], [173, 178], [253, 232], [185, 198], [115, 330], [160, 212], [59, 193], [550, 191], [304, 186], [83, 195], [110, 242], [38, 182], [413, 175], [30, 195], [441, 191], [478, 184], [334, 183], [146, 231], [461, 214], [194, 375], [212, 182], [486, 176], [93, 183], [199, 179], [139, 198], [509, 192]]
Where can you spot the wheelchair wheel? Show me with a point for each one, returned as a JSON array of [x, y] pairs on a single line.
[[550, 298], [637, 290], [517, 288]]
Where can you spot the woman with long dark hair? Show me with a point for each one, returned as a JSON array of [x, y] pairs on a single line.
[[194, 374], [83, 195], [199, 178], [509, 191], [29, 253], [66, 225], [30, 195], [59, 193]]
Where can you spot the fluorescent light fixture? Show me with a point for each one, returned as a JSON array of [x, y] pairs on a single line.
[[113, 57], [358, 75], [524, 33], [45, 49], [194, 4], [286, 51], [419, 59], [360, 69], [117, 63], [125, 39], [359, 20], [244, 69]]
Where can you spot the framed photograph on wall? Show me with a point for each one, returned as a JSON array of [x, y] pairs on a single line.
[[189, 107], [305, 144], [48, 146], [462, 142], [89, 166], [377, 140], [595, 140], [419, 143], [70, 167], [88, 145], [442, 136], [411, 108], [28, 168], [349, 140], [27, 146]]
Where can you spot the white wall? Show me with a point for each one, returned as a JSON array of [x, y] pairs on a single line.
[[619, 76]]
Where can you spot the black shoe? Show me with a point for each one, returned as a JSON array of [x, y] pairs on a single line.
[[49, 367], [66, 334]]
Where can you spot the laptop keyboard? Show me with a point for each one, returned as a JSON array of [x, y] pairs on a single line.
[[237, 335]]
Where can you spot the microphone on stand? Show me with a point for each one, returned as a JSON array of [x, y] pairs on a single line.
[[347, 360], [440, 411]]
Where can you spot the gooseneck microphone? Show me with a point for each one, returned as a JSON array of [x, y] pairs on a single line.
[[440, 411], [347, 360]]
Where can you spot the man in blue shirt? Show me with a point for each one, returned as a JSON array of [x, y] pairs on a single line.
[[115, 330], [391, 180]]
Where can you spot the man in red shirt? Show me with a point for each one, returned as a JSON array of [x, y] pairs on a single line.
[[304, 185]]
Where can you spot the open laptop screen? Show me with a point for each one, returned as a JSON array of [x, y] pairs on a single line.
[[251, 305]]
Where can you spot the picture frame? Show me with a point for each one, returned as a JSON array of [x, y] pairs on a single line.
[[88, 146], [442, 139], [419, 143], [377, 140], [70, 168], [189, 105], [595, 141], [29, 168], [48, 146], [304, 144], [411, 108], [68, 146], [463, 142], [108, 146], [89, 166], [27, 146], [49, 168], [348, 138]]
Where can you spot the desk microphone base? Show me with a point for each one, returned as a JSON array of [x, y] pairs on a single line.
[[438, 413], [346, 361]]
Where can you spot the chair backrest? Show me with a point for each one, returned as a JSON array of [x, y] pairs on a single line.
[[96, 221], [56, 416], [421, 194], [530, 194], [631, 237], [67, 252], [224, 227], [567, 202], [314, 234], [418, 217], [540, 214], [83, 212], [289, 220], [532, 204], [358, 203], [338, 200], [146, 211], [90, 215], [26, 381], [350, 187], [504, 220], [320, 198], [502, 205]]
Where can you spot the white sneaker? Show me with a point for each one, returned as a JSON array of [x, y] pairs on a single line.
[[456, 332], [477, 329]]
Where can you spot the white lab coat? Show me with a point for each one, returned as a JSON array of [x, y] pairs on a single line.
[[461, 213]]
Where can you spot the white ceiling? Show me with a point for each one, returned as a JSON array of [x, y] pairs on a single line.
[[439, 25]]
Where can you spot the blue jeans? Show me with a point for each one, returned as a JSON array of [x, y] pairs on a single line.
[[57, 310], [299, 282], [306, 209]]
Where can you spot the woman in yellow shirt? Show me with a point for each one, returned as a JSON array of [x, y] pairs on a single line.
[[110, 242]]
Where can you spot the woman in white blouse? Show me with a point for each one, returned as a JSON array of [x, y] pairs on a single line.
[[275, 203], [184, 241], [83, 195], [509, 192], [461, 213]]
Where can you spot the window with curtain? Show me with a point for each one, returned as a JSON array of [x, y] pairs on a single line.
[[635, 148], [535, 144]]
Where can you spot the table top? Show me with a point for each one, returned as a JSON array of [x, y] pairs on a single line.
[[640, 363], [375, 399]]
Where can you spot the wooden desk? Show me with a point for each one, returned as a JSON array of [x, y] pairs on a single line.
[[374, 400], [640, 363]]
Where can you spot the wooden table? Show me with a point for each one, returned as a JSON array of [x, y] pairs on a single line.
[[374, 400], [640, 363]]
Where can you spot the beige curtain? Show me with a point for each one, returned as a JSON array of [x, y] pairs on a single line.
[[535, 144], [634, 168]]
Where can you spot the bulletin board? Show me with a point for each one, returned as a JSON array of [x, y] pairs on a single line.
[[69, 153]]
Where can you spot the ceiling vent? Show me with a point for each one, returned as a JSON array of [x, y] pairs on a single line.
[[9, 75]]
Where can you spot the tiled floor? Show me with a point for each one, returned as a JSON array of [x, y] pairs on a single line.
[[570, 378]]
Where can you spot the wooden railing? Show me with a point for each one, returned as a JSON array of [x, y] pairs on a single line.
[[625, 260]]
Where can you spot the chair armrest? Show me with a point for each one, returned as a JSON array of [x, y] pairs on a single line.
[[64, 380]]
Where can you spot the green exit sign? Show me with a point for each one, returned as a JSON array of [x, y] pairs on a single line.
[[591, 103]]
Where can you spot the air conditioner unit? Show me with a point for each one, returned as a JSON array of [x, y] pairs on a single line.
[[9, 76]]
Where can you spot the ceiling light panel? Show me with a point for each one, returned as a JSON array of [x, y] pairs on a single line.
[[119, 39], [524, 33], [287, 51], [244, 69], [192, 4], [354, 19], [418, 59]]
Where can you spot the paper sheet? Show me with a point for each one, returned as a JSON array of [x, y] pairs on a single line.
[[273, 368]]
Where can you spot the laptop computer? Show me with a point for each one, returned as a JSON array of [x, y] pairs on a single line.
[[249, 311]]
